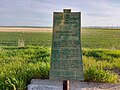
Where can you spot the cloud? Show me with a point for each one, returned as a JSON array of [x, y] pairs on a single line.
[[32, 12]]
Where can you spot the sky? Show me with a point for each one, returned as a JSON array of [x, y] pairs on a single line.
[[40, 12]]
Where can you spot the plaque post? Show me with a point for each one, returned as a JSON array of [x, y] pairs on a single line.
[[66, 85]]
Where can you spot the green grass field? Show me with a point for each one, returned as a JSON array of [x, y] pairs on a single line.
[[91, 38], [30, 38], [100, 49], [101, 38]]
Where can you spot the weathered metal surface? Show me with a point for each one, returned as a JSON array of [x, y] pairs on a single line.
[[66, 56]]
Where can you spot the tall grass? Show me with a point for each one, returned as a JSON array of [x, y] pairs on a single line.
[[100, 71], [19, 66], [102, 54], [99, 75]]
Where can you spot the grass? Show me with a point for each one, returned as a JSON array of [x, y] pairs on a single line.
[[100, 38], [101, 70], [99, 75], [30, 38], [100, 54], [100, 49], [91, 38], [19, 66]]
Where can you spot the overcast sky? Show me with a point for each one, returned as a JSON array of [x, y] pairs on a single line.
[[39, 12]]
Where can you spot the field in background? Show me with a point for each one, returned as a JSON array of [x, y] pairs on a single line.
[[101, 38], [91, 37], [100, 49]]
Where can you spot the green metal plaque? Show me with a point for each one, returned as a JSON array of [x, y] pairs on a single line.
[[66, 56]]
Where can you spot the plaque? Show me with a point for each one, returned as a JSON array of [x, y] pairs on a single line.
[[66, 54]]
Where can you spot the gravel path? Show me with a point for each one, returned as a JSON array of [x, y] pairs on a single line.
[[39, 84]]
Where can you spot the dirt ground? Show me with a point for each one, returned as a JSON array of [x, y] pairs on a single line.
[[14, 29]]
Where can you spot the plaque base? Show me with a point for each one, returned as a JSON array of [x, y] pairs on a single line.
[[47, 84]]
